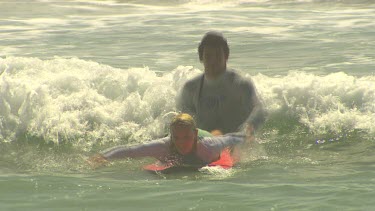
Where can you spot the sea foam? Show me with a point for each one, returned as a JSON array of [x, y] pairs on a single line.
[[86, 103]]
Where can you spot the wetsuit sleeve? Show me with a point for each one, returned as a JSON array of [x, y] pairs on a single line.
[[157, 149], [211, 147], [258, 114]]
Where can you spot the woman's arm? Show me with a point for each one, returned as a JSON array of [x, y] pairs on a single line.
[[157, 149], [210, 148]]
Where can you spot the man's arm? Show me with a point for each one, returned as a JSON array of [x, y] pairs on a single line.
[[257, 115]]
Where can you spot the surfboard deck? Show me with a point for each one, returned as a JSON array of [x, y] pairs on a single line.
[[226, 161]]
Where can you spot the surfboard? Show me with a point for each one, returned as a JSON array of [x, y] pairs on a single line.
[[226, 161]]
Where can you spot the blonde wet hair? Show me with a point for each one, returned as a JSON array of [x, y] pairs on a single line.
[[184, 120]]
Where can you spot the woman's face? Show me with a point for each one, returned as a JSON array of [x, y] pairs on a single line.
[[184, 138]]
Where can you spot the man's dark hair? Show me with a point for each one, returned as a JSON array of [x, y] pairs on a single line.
[[213, 39]]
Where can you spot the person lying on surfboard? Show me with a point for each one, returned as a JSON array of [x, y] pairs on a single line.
[[186, 145]]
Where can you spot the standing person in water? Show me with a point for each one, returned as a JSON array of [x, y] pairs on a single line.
[[220, 100], [186, 145]]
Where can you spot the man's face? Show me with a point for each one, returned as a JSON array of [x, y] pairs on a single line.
[[214, 60], [184, 138]]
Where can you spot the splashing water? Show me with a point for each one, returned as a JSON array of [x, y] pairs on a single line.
[[85, 103]]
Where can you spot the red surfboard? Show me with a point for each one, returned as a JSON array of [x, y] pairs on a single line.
[[226, 161]]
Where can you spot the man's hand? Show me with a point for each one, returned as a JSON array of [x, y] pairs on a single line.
[[216, 132]]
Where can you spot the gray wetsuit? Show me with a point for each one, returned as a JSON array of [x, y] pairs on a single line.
[[226, 103]]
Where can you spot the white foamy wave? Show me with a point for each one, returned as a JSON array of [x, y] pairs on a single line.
[[86, 103], [334, 103]]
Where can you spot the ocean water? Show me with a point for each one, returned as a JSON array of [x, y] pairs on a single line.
[[78, 76]]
